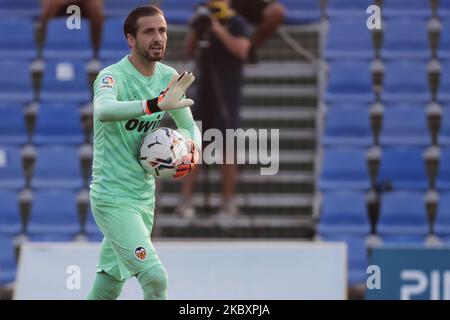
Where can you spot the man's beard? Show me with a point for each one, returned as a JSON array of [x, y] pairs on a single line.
[[146, 55]]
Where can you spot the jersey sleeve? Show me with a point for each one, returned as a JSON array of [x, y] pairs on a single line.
[[106, 105], [186, 125]]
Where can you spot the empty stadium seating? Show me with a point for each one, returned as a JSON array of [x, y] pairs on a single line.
[[10, 223], [17, 39], [58, 123], [7, 260], [298, 12], [400, 43], [402, 213], [344, 168], [343, 212], [179, 12], [11, 174], [443, 177], [339, 45], [347, 124], [19, 8], [57, 167], [113, 45], [349, 81], [347, 8], [403, 168], [405, 124], [442, 221], [15, 82], [443, 9], [406, 81], [443, 51], [412, 9], [65, 81], [54, 216], [443, 94], [12, 125], [68, 43]]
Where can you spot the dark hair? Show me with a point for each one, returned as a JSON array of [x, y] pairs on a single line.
[[130, 25]]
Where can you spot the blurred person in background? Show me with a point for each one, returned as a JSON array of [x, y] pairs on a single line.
[[90, 9], [264, 15], [220, 38]]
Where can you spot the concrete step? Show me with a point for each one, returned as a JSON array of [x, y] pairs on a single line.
[[249, 203]]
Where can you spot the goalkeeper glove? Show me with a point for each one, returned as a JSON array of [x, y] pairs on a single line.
[[188, 162], [171, 98]]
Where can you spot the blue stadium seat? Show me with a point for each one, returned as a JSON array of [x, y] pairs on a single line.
[[443, 94], [343, 212], [54, 215], [120, 8], [348, 8], [442, 221], [299, 12], [344, 168], [406, 81], [11, 174], [17, 39], [403, 240], [179, 11], [443, 10], [400, 43], [444, 133], [443, 50], [15, 81], [340, 46], [19, 8], [58, 123], [349, 81], [60, 41], [402, 213], [347, 124], [443, 176], [7, 260], [9, 213], [357, 256], [403, 168], [92, 231], [64, 81], [405, 124], [12, 125], [407, 9], [57, 167], [114, 44]]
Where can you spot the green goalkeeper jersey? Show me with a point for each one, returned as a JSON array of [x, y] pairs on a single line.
[[119, 126]]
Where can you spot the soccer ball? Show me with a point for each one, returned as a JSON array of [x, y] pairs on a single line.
[[161, 151]]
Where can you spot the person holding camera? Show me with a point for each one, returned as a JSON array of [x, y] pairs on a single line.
[[264, 15], [219, 39]]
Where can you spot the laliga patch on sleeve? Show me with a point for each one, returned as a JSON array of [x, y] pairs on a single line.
[[107, 82]]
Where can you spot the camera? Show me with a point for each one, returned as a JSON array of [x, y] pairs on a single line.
[[201, 21]]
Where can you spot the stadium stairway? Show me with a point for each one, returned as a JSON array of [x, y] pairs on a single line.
[[280, 92]]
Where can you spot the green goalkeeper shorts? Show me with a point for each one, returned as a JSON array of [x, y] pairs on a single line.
[[126, 249]]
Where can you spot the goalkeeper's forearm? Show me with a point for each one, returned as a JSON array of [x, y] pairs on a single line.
[[107, 108]]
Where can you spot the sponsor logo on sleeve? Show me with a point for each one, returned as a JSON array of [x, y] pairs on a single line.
[[107, 82]]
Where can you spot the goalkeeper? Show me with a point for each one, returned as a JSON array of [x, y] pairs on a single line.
[[130, 98]]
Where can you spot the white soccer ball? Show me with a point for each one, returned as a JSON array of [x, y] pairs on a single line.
[[161, 151]]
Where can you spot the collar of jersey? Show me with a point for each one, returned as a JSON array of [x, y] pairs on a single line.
[[135, 71]]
